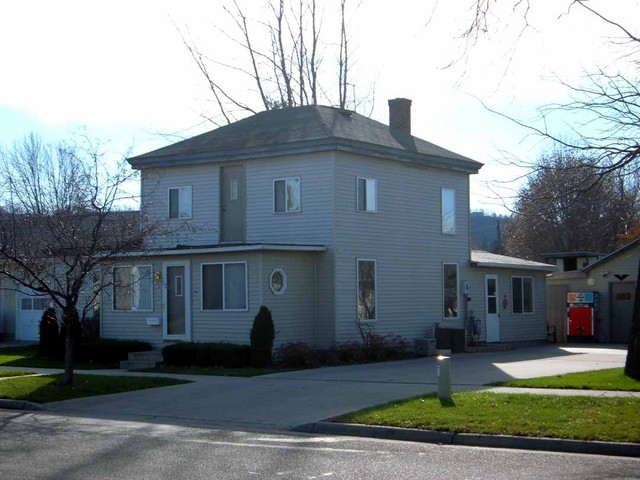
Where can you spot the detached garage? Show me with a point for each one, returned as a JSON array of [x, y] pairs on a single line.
[[21, 312], [614, 278]]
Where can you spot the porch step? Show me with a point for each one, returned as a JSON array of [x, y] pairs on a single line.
[[139, 360]]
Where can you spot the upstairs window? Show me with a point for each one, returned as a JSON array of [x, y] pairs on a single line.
[[448, 211], [367, 193], [286, 195], [180, 202], [522, 293]]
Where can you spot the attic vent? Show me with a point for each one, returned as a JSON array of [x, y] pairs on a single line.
[[346, 113]]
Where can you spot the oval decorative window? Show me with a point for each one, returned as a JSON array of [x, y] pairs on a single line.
[[278, 281]]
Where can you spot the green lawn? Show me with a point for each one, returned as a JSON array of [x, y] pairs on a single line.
[[220, 372], [44, 389], [13, 373], [28, 357], [583, 418], [608, 379]]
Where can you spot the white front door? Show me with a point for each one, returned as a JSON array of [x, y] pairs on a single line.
[[492, 311], [176, 300], [30, 309]]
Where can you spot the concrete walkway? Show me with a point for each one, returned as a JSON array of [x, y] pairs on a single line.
[[285, 400]]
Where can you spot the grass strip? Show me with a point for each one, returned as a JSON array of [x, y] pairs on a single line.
[[607, 379], [581, 418], [28, 357], [45, 389], [219, 372], [13, 373]]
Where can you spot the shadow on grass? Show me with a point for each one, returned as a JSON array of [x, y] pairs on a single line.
[[447, 402]]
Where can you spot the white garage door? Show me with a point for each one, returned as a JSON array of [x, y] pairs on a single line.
[[30, 309]]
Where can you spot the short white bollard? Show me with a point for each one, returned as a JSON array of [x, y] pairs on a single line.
[[444, 378]]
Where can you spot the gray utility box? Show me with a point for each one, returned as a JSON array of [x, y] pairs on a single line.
[[425, 347]]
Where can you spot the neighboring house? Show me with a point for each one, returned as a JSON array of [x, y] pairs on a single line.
[[569, 261], [328, 218], [614, 278]]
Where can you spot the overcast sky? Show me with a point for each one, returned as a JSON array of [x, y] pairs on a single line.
[[120, 70]]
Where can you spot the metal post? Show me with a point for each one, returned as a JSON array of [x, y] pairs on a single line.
[[444, 378]]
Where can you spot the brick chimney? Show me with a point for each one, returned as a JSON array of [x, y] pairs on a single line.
[[400, 114]]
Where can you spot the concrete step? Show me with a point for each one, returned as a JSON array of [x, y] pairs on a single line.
[[136, 364], [151, 355], [138, 360]]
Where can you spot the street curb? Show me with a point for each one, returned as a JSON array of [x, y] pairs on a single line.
[[21, 405], [472, 439]]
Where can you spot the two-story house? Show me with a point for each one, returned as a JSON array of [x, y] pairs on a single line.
[[328, 218]]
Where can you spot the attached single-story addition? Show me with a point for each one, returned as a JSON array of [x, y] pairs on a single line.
[[509, 294], [614, 278], [213, 294]]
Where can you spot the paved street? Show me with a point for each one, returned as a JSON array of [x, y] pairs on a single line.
[[53, 447], [285, 400]]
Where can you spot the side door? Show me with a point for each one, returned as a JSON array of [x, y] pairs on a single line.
[[492, 312], [176, 299], [621, 311]]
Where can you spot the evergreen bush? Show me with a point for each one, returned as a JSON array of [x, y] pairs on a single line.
[[49, 334], [262, 336]]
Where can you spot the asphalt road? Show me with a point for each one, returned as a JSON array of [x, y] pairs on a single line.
[[45, 446]]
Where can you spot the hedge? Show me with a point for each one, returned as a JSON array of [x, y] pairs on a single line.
[[220, 355], [107, 350]]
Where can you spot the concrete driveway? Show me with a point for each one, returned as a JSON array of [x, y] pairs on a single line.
[[282, 401]]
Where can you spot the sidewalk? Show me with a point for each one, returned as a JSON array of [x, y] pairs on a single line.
[[287, 401]]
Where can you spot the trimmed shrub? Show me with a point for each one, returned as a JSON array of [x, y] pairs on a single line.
[[376, 348], [108, 350], [217, 355], [90, 327], [262, 336], [296, 355], [49, 334]]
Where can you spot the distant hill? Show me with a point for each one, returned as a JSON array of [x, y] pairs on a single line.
[[484, 231]]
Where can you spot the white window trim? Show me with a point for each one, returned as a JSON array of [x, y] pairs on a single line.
[[286, 195], [224, 309], [375, 287], [113, 293], [375, 183], [455, 211], [444, 317], [533, 291], [179, 217], [284, 281]]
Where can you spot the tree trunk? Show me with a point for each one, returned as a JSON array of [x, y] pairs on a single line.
[[71, 322], [632, 365]]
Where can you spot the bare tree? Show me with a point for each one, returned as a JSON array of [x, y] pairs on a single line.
[[568, 205], [60, 223], [604, 113], [284, 60]]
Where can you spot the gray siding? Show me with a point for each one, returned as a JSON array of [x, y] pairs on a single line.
[[309, 226], [405, 238], [312, 225], [132, 325], [203, 227], [293, 312], [225, 326], [514, 327]]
